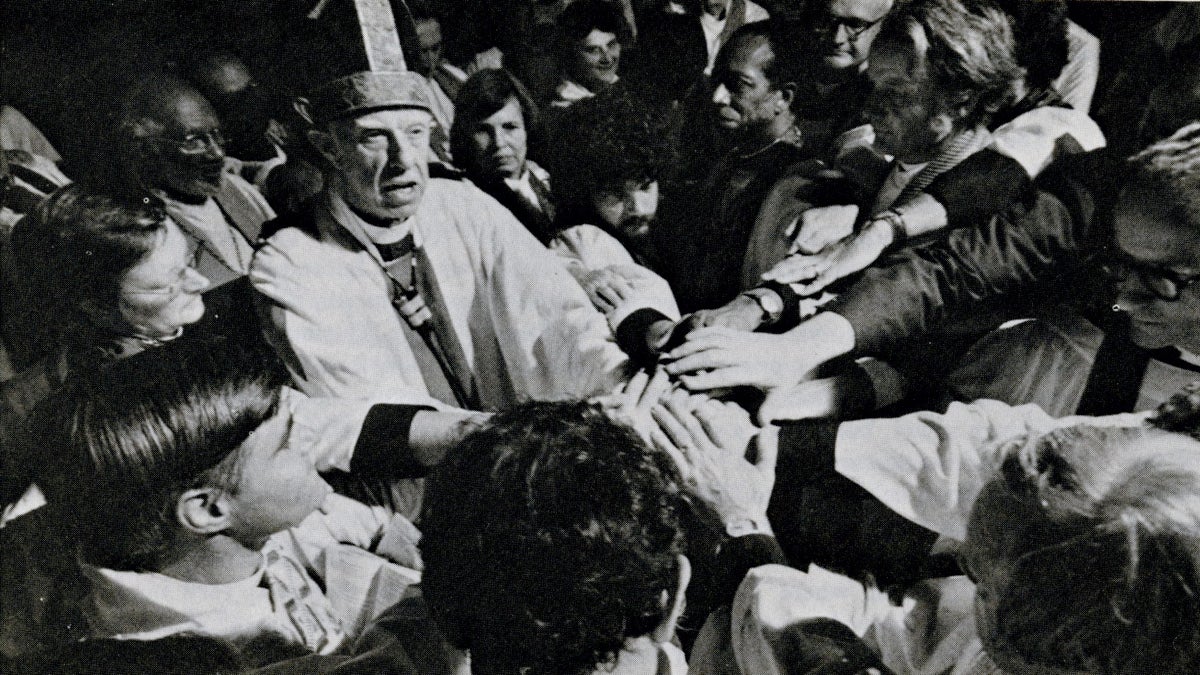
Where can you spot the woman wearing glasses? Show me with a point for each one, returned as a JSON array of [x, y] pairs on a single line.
[[100, 279]]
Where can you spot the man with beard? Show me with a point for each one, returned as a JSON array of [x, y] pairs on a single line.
[[420, 290], [607, 158], [172, 144]]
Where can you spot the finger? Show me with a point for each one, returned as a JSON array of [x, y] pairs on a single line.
[[609, 294], [678, 406], [767, 443], [632, 390], [705, 360], [655, 389], [621, 286], [660, 441], [718, 378], [674, 428]]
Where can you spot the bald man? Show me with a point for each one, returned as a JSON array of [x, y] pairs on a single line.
[[173, 145]]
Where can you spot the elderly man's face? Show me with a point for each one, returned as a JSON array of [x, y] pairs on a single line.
[[901, 107], [744, 99], [846, 29], [187, 156], [1157, 267], [382, 161]]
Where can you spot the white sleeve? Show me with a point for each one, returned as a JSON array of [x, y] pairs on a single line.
[[555, 343], [930, 467]]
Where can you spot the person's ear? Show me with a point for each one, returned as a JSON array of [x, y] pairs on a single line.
[[787, 94], [204, 510], [665, 630], [325, 144]]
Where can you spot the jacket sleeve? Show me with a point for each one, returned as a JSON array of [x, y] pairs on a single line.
[[917, 288]]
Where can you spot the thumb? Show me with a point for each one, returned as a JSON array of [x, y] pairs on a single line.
[[767, 442]]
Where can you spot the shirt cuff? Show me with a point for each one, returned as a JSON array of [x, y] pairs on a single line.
[[806, 451], [631, 335], [383, 448]]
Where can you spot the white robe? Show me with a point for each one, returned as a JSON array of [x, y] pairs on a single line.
[[526, 328]]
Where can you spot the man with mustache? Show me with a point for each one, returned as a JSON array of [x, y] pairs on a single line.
[[607, 158], [425, 291], [171, 141]]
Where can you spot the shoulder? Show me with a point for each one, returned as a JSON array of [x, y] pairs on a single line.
[[755, 12], [288, 225]]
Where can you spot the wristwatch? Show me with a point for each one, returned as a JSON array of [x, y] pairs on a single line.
[[769, 301]]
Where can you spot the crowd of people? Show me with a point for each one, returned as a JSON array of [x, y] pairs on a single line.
[[608, 336]]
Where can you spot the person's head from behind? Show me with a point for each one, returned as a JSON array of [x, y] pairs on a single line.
[[612, 151], [1176, 102], [94, 269], [841, 32], [373, 131], [1155, 259], [1085, 549], [243, 106], [490, 136], [553, 542], [172, 655], [938, 67], [1040, 34], [591, 33], [754, 80], [172, 455], [171, 138]]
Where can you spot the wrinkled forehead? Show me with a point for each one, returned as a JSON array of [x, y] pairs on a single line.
[[391, 119]]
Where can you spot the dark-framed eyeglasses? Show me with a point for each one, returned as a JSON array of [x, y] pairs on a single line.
[[1164, 283], [197, 142], [824, 23]]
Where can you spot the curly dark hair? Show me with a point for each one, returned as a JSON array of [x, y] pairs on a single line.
[[121, 443], [584, 16], [549, 537], [602, 142]]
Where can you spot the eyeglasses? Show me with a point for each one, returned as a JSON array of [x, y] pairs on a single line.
[[197, 142], [828, 24], [1164, 283]]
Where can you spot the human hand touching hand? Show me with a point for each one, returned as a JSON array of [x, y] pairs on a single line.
[[822, 226], [712, 445], [632, 402]]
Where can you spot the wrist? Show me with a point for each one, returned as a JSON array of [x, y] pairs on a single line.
[[888, 228], [743, 525], [762, 303]]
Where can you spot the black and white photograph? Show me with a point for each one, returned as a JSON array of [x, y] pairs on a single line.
[[599, 337]]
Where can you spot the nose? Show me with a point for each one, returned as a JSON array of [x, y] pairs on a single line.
[[720, 95], [194, 281], [644, 204], [403, 152]]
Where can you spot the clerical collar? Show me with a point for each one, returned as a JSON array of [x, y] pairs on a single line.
[[381, 231]]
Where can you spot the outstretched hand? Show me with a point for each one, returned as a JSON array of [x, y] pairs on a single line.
[[711, 442], [811, 274], [632, 402], [716, 357]]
